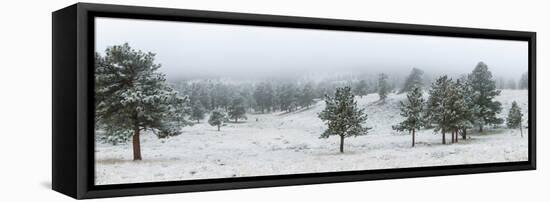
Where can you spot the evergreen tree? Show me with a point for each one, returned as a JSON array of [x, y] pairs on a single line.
[[221, 95], [415, 79], [515, 117], [412, 111], [438, 112], [204, 96], [263, 94], [287, 97], [342, 116], [458, 107], [217, 118], [197, 111], [484, 91], [307, 95], [132, 96], [237, 110], [383, 86], [361, 88], [524, 81], [468, 107]]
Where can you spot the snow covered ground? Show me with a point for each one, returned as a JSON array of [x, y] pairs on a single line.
[[288, 143]]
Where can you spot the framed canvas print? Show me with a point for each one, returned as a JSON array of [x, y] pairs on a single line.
[[156, 100]]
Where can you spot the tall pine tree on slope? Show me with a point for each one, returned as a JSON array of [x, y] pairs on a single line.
[[412, 111], [132, 96], [307, 95], [459, 113], [287, 97], [383, 86], [237, 110], [342, 116], [263, 94], [515, 117], [484, 92], [437, 110], [413, 80], [468, 108]]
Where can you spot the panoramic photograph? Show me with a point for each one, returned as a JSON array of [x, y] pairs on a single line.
[[178, 101]]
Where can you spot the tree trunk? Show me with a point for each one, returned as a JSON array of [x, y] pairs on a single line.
[[443, 136], [218, 127], [520, 130], [455, 135], [452, 136], [136, 145], [197, 120], [480, 128], [235, 120], [413, 137], [463, 134], [341, 144]]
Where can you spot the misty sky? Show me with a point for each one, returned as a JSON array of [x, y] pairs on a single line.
[[200, 50]]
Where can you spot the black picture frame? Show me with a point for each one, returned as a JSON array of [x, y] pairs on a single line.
[[73, 109]]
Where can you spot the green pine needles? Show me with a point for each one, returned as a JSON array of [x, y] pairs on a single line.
[[342, 116]]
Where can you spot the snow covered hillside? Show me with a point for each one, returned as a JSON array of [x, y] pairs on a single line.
[[288, 143]]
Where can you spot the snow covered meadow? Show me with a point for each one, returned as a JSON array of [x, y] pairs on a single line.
[[222, 101], [280, 143]]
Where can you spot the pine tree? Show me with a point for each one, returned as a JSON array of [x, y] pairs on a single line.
[[383, 86], [459, 111], [221, 95], [217, 118], [468, 107], [361, 88], [132, 96], [412, 111], [484, 90], [415, 79], [287, 97], [263, 95], [237, 110], [524, 81], [307, 95], [197, 111], [515, 117], [437, 110], [204, 96], [342, 116]]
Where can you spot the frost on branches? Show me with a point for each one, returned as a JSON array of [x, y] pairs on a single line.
[[515, 117], [484, 92], [342, 116], [412, 111], [383, 87], [217, 118], [132, 96], [413, 80]]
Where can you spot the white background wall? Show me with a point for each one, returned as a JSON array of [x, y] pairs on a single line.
[[25, 101]]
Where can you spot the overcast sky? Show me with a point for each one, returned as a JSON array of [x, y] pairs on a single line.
[[199, 50]]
